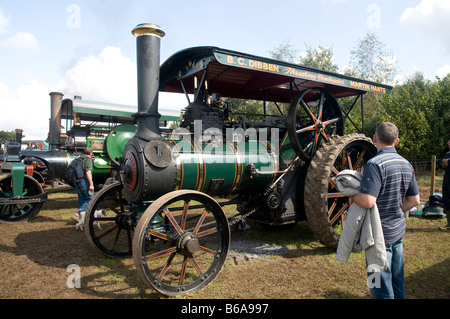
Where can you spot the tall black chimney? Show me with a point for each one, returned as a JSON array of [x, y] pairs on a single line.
[[147, 168], [54, 139], [148, 44]]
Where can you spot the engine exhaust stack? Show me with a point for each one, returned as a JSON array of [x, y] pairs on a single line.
[[55, 120], [148, 45], [147, 169]]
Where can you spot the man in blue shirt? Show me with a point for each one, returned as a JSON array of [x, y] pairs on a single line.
[[389, 181], [445, 164]]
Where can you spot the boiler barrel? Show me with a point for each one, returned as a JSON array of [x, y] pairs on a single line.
[[225, 169]]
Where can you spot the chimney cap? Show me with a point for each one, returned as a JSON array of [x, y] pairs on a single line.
[[56, 94], [148, 29]]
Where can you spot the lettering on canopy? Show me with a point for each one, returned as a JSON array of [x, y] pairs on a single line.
[[252, 64]]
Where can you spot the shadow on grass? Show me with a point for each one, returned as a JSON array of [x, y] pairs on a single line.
[[101, 277], [430, 283], [297, 237]]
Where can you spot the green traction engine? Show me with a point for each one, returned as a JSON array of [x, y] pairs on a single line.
[[167, 208], [21, 196], [24, 173]]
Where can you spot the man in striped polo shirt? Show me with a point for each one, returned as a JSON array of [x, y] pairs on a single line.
[[389, 181]]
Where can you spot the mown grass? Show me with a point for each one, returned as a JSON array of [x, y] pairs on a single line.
[[307, 270]]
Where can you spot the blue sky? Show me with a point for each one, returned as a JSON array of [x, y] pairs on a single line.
[[85, 47]]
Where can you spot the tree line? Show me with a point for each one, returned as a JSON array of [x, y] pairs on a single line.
[[419, 107]]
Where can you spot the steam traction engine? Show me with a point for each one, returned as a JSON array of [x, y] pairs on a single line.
[[278, 170], [24, 174]]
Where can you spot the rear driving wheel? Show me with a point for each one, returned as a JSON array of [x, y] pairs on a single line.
[[325, 207]]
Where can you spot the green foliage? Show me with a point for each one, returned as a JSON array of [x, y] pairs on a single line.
[[285, 52], [253, 110], [420, 107], [421, 110], [320, 58], [372, 61], [6, 136]]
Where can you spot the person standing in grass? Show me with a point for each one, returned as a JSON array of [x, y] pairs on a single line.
[[445, 164], [389, 182], [85, 187]]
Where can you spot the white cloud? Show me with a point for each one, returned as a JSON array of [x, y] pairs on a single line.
[[106, 77], [110, 77], [27, 108], [20, 40], [430, 18], [443, 71]]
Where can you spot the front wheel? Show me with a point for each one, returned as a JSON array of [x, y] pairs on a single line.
[[181, 242], [32, 196], [325, 207]]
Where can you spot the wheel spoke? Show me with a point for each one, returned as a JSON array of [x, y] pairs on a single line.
[[324, 135], [173, 221], [358, 163], [196, 265], [329, 122], [108, 231], [130, 240], [339, 213], [184, 215], [306, 129], [97, 219], [206, 250], [200, 222], [166, 266], [207, 232], [112, 207], [332, 208], [335, 195], [161, 253], [183, 270], [332, 183], [308, 111], [160, 235], [320, 112], [116, 239]]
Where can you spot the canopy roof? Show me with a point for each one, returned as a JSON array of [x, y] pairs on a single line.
[[239, 75], [107, 112]]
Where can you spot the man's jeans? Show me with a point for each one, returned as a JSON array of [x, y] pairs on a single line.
[[83, 194], [391, 283]]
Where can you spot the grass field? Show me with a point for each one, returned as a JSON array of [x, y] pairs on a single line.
[[34, 258]]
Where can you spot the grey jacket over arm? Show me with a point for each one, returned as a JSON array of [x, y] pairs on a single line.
[[362, 230]]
